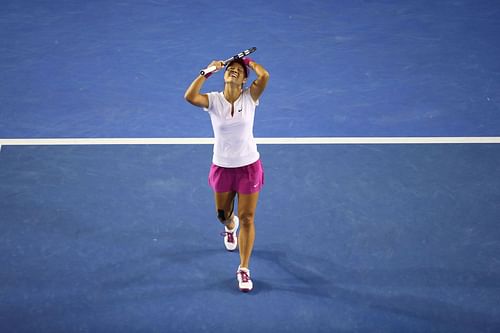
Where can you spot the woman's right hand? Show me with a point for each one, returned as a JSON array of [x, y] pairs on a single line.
[[217, 63]]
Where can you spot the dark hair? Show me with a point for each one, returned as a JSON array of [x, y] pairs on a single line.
[[239, 61]]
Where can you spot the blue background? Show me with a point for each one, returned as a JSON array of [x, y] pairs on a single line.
[[338, 68], [350, 238]]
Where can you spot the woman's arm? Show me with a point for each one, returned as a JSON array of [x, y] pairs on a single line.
[[258, 86], [192, 94]]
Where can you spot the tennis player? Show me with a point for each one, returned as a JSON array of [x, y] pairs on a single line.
[[236, 167]]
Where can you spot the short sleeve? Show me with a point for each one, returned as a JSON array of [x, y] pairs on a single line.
[[248, 96], [211, 96]]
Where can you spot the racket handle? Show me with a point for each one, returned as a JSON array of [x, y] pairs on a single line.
[[208, 70]]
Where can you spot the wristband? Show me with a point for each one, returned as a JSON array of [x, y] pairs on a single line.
[[247, 61]]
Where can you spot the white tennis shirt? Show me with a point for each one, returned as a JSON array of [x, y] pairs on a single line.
[[234, 142]]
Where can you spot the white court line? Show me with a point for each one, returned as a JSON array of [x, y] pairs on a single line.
[[291, 140]]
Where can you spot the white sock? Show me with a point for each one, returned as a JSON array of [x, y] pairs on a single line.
[[244, 269]]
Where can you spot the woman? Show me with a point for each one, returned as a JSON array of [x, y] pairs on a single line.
[[236, 168]]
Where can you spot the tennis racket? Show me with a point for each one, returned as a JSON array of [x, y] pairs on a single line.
[[238, 56]]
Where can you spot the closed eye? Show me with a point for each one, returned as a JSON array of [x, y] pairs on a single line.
[[239, 70]]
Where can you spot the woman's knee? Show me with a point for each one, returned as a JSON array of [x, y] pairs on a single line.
[[246, 218]]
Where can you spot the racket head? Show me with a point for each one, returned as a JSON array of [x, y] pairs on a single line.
[[251, 50], [241, 55]]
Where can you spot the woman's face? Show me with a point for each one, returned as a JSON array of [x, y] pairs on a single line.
[[235, 74]]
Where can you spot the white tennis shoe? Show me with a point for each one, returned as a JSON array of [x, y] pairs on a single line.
[[244, 281], [230, 237]]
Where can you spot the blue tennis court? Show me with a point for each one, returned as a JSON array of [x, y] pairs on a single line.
[[107, 222]]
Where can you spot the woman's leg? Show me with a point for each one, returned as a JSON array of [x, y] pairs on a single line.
[[224, 205], [247, 204]]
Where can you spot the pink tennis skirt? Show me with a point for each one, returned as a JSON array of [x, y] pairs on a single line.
[[247, 179]]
